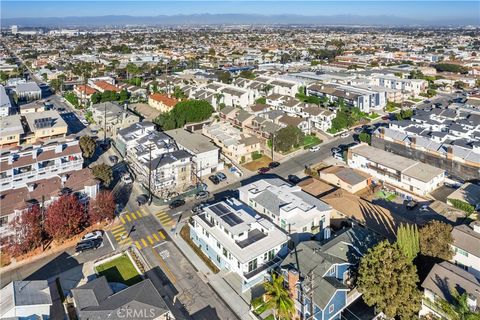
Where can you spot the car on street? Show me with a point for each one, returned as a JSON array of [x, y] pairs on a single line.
[[96, 234], [202, 195], [386, 118], [86, 245], [273, 164], [113, 159], [424, 208], [198, 208], [314, 149], [176, 203], [142, 199], [214, 179], [221, 176], [263, 170], [412, 205], [293, 179], [127, 179], [336, 150], [344, 135], [202, 186], [338, 156]]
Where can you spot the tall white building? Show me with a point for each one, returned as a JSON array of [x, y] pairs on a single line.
[[290, 208], [236, 238]]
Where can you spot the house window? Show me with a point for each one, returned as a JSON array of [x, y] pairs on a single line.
[[238, 264], [225, 253], [252, 265], [218, 258], [462, 252], [331, 308], [3, 221], [218, 245]]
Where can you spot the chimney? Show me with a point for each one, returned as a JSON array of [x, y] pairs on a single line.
[[34, 154], [327, 233], [10, 159], [293, 279], [64, 178], [59, 148]]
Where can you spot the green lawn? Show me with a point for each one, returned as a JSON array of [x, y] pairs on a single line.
[[310, 141], [373, 116], [120, 270], [386, 195]]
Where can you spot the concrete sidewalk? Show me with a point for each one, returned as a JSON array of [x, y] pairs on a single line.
[[216, 281]]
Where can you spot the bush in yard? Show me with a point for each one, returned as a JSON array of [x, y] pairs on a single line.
[[365, 137], [65, 218], [462, 205], [102, 207], [256, 155], [288, 138], [27, 232], [104, 173], [185, 112]]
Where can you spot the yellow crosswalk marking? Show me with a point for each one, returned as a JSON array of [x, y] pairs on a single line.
[[144, 212], [118, 231], [139, 213], [161, 234], [133, 216], [117, 227], [138, 245], [144, 243], [161, 214], [124, 241], [123, 220], [119, 236], [150, 240], [165, 219], [128, 217], [156, 237]]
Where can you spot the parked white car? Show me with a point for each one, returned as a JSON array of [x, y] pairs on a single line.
[[338, 156], [344, 135], [314, 148], [127, 179]]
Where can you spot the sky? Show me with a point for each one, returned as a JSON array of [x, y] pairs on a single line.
[[424, 10]]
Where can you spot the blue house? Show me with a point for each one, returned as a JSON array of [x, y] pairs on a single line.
[[319, 273]]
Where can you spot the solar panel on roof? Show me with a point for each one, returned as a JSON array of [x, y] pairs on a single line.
[[231, 219]]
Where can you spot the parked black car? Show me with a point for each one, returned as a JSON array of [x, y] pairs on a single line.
[[273, 164], [176, 203], [214, 179], [293, 179], [86, 245]]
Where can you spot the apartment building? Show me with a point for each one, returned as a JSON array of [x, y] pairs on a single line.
[[24, 165], [441, 280], [237, 239], [290, 208], [205, 154], [162, 102], [444, 137], [113, 117], [43, 192], [407, 176], [412, 86], [332, 261], [28, 91], [234, 144], [367, 100], [466, 246], [147, 150], [30, 127], [5, 104]]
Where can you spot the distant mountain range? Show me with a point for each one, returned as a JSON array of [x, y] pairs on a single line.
[[232, 19]]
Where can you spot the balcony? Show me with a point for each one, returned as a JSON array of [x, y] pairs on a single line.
[[386, 173], [435, 308], [268, 265]]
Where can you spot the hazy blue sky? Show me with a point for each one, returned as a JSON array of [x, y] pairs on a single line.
[[424, 10]]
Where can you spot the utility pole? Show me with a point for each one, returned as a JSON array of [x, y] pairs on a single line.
[[150, 196], [104, 122], [311, 293]]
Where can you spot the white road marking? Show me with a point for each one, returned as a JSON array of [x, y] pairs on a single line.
[[157, 245], [108, 237]]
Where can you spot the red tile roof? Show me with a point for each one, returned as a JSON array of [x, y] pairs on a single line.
[[107, 86], [166, 100], [86, 89]]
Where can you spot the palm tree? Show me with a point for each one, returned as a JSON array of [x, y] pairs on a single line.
[[276, 297]]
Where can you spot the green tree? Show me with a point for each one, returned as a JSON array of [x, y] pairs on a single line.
[[462, 205], [404, 114], [88, 145], [224, 76], [261, 100], [365, 137], [389, 280], [123, 95], [408, 240], [436, 239], [178, 93], [288, 138], [278, 299], [247, 74], [3, 76], [185, 112], [104, 173], [459, 308]]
